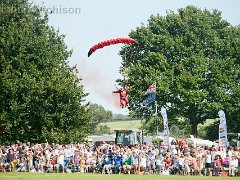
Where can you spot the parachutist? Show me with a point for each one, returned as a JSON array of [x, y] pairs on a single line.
[[123, 96]]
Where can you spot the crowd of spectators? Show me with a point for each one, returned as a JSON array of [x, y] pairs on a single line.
[[110, 158]]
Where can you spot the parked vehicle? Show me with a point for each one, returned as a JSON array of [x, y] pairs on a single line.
[[234, 139], [127, 137]]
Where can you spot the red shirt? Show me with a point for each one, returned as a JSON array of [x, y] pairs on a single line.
[[218, 163]]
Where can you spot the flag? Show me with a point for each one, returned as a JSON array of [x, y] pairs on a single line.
[[151, 95], [151, 89]]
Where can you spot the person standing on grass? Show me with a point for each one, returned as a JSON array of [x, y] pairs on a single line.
[[233, 165], [175, 165], [168, 162], [60, 162], [42, 162], [187, 163], [127, 163], [159, 163], [107, 164], [143, 163], [217, 165], [181, 164], [76, 161], [208, 162], [22, 167], [194, 165], [134, 160], [117, 163]]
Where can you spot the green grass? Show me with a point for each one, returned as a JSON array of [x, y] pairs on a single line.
[[136, 124], [133, 124], [75, 176]]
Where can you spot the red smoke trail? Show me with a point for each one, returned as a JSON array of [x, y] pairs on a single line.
[[99, 81]]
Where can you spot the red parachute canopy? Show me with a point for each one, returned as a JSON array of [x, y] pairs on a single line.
[[110, 42]]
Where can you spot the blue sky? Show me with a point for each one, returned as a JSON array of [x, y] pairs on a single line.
[[87, 22]]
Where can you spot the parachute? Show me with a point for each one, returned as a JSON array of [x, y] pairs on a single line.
[[110, 42]]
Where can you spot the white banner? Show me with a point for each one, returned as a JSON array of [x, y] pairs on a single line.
[[223, 140], [165, 123], [222, 134], [221, 114]]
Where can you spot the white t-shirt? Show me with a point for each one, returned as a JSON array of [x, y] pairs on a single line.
[[60, 159], [208, 158], [68, 152], [143, 162], [230, 153], [181, 161]]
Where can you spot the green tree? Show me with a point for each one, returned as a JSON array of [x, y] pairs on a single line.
[[98, 115], [212, 131], [152, 125], [102, 129], [41, 96], [193, 56]]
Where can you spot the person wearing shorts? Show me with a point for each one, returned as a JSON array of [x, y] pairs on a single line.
[[159, 163], [208, 163]]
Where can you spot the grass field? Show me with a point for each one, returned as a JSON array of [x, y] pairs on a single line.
[[74, 176], [136, 124], [133, 124]]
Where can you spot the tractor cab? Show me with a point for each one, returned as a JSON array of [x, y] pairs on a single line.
[[127, 137]]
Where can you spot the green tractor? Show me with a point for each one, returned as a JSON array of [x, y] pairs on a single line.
[[126, 137], [234, 139]]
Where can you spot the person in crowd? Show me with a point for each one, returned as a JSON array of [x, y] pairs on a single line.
[[135, 161], [42, 162], [173, 151], [233, 165], [225, 161], [217, 167], [151, 160], [168, 162], [9, 160], [175, 164], [29, 159], [76, 161], [22, 165], [194, 165], [143, 163], [60, 163], [127, 167], [208, 162], [107, 164], [187, 163], [159, 163], [117, 163], [201, 161], [15, 160], [181, 162]]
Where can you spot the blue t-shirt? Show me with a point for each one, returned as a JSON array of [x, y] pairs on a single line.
[[117, 160], [159, 161]]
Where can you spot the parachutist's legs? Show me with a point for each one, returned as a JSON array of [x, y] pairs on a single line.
[[122, 103], [126, 101]]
